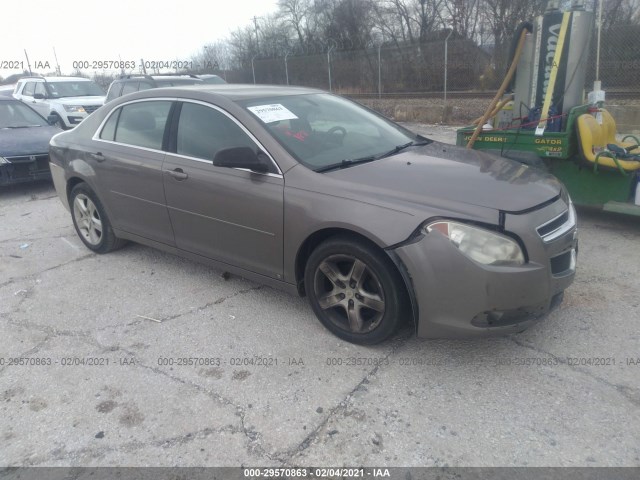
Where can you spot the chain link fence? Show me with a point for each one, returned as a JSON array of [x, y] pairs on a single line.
[[420, 68]]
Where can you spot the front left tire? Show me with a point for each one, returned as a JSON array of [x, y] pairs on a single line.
[[355, 290], [91, 222]]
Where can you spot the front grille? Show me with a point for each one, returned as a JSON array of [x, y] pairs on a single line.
[[27, 166], [562, 263], [34, 162], [558, 226], [90, 108]]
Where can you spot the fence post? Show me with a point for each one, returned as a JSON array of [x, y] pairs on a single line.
[[329, 60], [379, 72], [446, 61], [286, 67], [253, 69]]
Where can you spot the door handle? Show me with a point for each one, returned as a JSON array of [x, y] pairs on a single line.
[[178, 174], [98, 157]]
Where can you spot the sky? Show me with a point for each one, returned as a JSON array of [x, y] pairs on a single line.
[[110, 30]]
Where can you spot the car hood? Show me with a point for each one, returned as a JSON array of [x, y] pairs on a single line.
[[26, 141], [89, 100], [440, 172]]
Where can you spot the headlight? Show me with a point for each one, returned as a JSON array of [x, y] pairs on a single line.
[[74, 108], [481, 245], [3, 161]]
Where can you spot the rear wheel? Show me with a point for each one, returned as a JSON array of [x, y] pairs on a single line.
[[91, 221], [355, 290]]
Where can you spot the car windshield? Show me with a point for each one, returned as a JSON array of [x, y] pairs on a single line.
[[323, 131], [18, 115], [73, 89]]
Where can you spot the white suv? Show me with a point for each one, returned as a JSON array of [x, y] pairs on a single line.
[[69, 99]]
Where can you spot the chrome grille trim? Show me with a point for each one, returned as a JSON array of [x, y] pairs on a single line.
[[560, 230]]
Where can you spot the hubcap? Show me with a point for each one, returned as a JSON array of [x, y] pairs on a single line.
[[87, 219], [350, 294]]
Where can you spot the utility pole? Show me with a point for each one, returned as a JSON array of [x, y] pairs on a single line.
[[57, 64], [255, 26], [28, 63]]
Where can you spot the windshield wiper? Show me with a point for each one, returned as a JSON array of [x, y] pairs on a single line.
[[399, 148], [349, 163], [346, 163], [23, 126]]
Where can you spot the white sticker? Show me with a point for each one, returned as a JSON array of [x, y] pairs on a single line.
[[272, 113]]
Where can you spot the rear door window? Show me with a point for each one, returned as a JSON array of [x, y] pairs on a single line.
[[142, 124]]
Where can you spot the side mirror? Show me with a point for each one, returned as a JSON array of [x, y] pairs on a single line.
[[240, 157], [52, 119], [38, 96]]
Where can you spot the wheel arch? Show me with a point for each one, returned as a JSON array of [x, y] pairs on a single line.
[[316, 238], [72, 182]]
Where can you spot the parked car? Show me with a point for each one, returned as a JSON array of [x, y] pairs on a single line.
[[7, 90], [24, 143], [307, 191], [69, 99], [211, 79], [134, 83]]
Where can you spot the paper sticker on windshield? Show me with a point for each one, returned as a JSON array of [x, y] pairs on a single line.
[[272, 113]]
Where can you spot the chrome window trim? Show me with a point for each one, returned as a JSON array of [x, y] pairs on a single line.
[[96, 135], [562, 229]]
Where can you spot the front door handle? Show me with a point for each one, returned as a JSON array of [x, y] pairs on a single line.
[[98, 157], [178, 174]]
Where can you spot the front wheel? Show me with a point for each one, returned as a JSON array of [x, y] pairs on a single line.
[[90, 220], [355, 290], [59, 123]]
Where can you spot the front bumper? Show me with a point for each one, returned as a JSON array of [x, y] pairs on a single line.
[[29, 168], [453, 296]]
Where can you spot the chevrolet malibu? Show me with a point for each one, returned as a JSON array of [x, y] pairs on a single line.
[[306, 191]]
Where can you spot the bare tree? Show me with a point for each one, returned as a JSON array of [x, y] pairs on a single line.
[[503, 17]]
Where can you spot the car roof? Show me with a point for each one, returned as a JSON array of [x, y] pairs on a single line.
[[57, 79], [232, 92]]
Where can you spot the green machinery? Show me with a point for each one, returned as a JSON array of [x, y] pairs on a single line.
[[544, 118]]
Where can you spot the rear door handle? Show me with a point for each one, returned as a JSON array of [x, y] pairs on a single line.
[[178, 174], [98, 157]]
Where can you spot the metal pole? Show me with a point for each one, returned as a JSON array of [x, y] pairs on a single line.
[[379, 73], [253, 69], [599, 32], [28, 63], [329, 66], [286, 68], [446, 60], [55, 55]]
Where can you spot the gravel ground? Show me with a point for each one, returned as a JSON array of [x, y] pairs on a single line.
[[564, 393], [464, 111]]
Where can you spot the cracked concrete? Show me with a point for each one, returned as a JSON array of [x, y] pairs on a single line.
[[140, 358]]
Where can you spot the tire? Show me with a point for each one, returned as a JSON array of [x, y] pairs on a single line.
[[59, 122], [355, 290], [91, 222]]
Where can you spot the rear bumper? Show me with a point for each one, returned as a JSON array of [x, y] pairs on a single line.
[[456, 297]]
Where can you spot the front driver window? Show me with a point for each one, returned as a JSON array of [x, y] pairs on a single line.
[[202, 131]]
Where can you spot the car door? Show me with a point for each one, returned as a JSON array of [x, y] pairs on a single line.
[[27, 96], [39, 100], [127, 161], [230, 215]]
